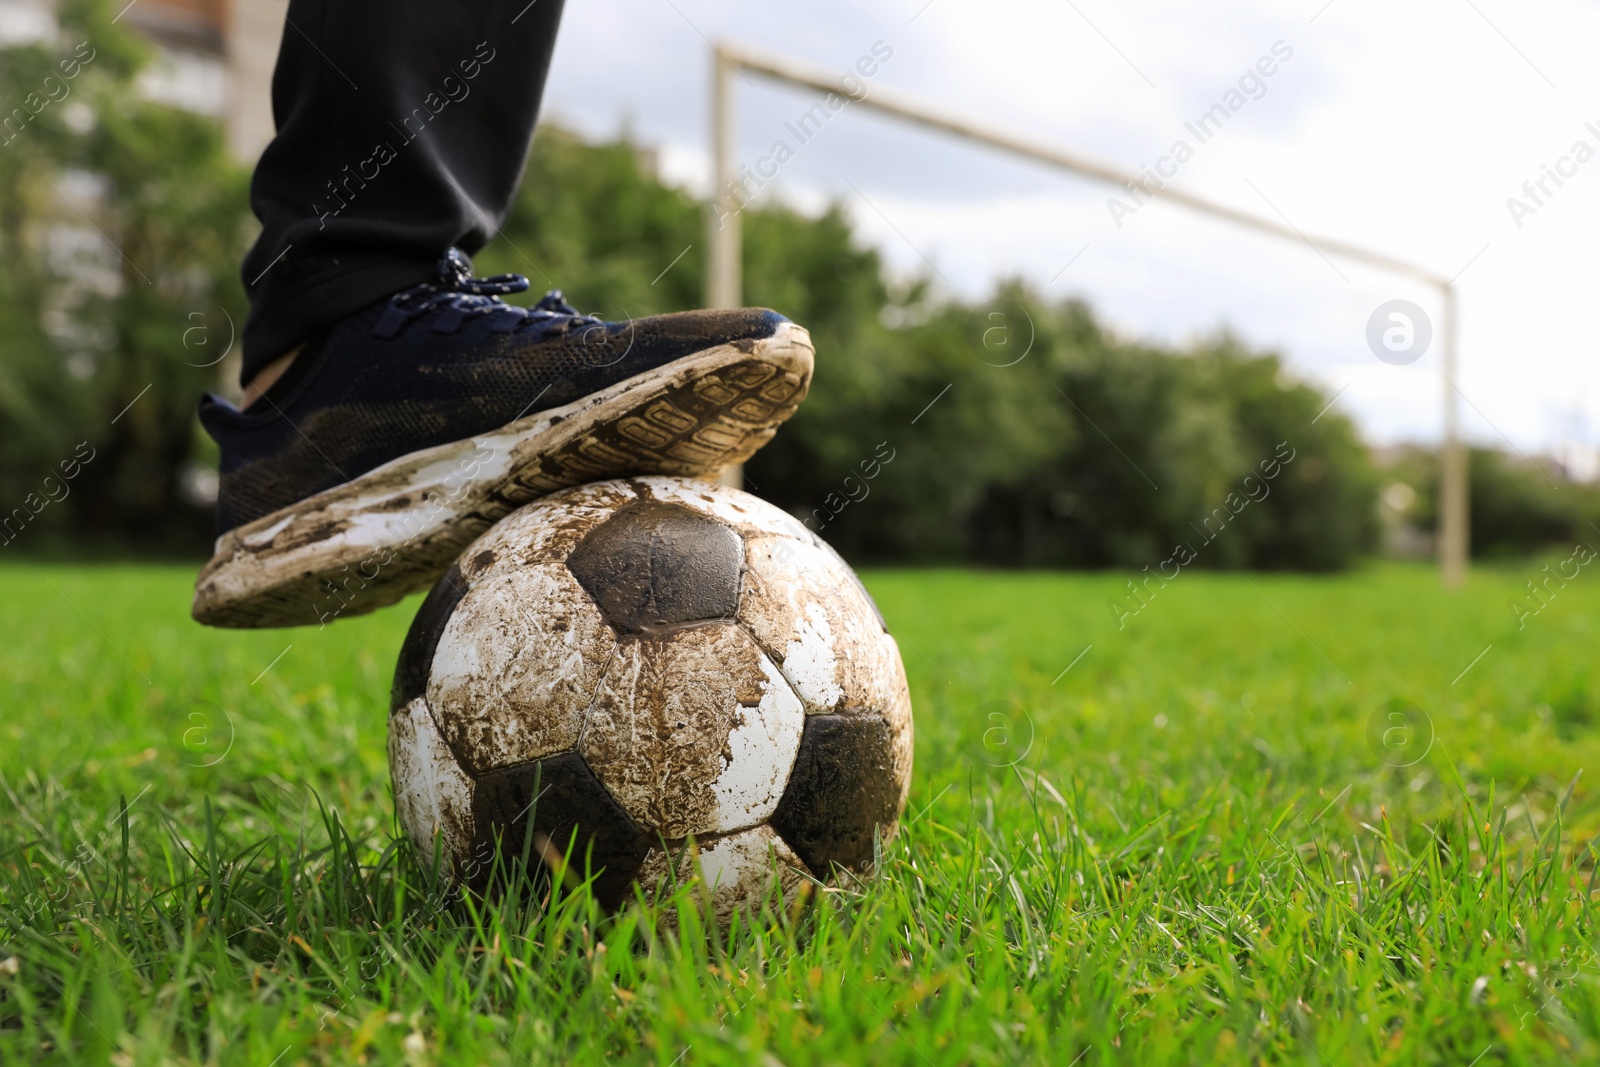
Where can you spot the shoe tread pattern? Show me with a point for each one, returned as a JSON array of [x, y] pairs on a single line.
[[709, 413]]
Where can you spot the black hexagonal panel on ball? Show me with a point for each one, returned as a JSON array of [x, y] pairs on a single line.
[[415, 661], [840, 790], [654, 565], [549, 806]]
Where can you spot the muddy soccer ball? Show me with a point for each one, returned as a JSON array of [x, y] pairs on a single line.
[[622, 668]]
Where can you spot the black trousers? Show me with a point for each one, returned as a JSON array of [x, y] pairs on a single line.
[[402, 129]]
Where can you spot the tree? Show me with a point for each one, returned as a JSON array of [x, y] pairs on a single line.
[[121, 225]]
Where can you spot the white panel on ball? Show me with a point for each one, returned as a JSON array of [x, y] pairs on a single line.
[[694, 732], [432, 794], [737, 870], [517, 666], [546, 532], [805, 608], [750, 515]]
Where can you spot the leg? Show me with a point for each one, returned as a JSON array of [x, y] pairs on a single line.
[[402, 130], [421, 407]]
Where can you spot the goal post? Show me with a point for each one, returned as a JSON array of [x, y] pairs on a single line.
[[723, 232]]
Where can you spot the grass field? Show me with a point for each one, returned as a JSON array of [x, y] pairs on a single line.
[[1189, 847]]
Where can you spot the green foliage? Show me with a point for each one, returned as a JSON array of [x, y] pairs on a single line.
[[592, 222], [1084, 451], [121, 226], [1517, 506], [1198, 855], [1517, 510]]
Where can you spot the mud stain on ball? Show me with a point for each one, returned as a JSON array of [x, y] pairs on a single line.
[[897, 718], [547, 533], [694, 731], [432, 794], [516, 667], [804, 607], [748, 515]]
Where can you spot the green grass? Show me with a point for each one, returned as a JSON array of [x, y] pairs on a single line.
[[1199, 856]]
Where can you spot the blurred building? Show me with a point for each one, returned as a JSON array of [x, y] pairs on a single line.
[[215, 57]]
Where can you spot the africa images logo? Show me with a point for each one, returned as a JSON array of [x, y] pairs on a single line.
[[1399, 332], [1251, 86], [1537, 192], [741, 191]]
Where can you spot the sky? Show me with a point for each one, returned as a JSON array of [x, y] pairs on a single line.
[[1405, 128]]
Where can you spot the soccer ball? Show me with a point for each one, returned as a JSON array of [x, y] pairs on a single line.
[[621, 668]]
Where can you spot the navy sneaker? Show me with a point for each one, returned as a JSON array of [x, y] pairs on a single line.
[[408, 429]]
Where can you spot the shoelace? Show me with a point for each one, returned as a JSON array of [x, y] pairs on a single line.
[[457, 296]]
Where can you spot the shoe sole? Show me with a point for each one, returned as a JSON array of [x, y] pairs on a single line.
[[369, 542]]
